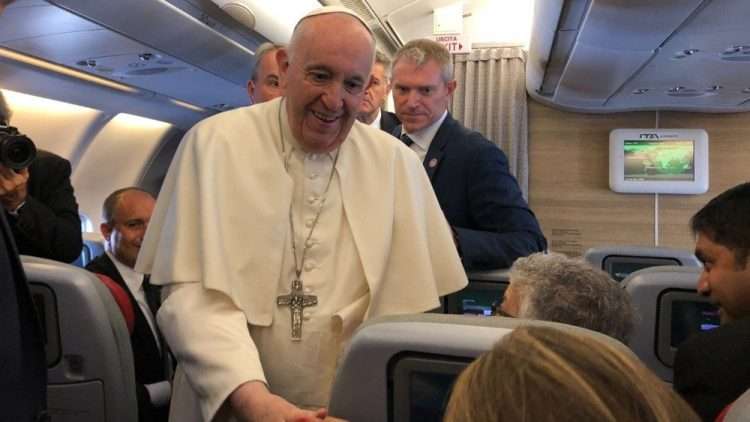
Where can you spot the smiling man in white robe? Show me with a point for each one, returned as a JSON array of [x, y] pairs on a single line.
[[281, 227]]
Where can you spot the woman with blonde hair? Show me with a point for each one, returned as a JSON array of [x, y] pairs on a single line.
[[546, 374]]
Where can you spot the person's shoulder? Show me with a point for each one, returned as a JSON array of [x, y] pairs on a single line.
[[228, 126], [96, 265], [46, 161], [375, 140], [43, 155], [469, 138], [219, 120]]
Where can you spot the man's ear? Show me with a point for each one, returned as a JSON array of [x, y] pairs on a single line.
[[106, 230], [282, 59], [251, 91], [451, 86]]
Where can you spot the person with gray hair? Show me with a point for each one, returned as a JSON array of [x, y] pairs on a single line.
[[491, 221], [371, 111], [265, 83], [272, 252], [553, 287]]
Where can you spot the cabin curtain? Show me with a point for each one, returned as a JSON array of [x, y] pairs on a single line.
[[490, 98]]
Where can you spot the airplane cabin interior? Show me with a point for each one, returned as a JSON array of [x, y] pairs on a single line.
[[113, 85]]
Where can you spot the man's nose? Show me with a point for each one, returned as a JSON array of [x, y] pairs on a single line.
[[412, 99], [333, 97], [703, 287]]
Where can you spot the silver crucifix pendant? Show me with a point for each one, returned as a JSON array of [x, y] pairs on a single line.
[[297, 302]]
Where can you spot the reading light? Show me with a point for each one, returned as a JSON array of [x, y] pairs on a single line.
[[63, 70], [188, 105]]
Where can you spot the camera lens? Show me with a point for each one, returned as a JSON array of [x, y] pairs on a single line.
[[16, 151]]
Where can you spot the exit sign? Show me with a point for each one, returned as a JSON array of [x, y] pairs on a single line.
[[455, 43]]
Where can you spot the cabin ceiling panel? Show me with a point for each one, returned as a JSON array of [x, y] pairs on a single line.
[[595, 73], [689, 55], [623, 25], [26, 20], [110, 55], [200, 56]]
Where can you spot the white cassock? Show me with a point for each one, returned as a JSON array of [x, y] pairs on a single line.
[[220, 241]]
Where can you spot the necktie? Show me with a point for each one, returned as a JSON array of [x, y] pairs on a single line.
[[406, 139], [153, 294]]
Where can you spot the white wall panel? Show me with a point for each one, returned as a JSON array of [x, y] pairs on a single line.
[[116, 158]]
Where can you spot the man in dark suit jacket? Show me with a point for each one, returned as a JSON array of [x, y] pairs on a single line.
[[371, 110], [712, 369], [481, 200], [126, 213], [39, 203]]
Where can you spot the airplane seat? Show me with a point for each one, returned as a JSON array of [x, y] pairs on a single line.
[[619, 261], [668, 310], [485, 289], [739, 411], [90, 372], [402, 368], [93, 246]]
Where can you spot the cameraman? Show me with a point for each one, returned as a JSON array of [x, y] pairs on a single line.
[[39, 204]]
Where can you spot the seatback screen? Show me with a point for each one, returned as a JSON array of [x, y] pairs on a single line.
[[690, 317]]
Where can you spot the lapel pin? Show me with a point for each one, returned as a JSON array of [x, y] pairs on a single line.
[[432, 163]]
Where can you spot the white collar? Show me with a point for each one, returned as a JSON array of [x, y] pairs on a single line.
[[423, 137], [376, 123], [132, 278]]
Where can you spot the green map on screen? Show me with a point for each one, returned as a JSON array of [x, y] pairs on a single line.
[[649, 159]]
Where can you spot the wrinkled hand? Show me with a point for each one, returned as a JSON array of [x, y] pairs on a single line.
[[13, 187], [252, 402]]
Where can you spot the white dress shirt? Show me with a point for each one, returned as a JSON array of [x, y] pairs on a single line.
[[134, 281], [423, 137], [376, 123]]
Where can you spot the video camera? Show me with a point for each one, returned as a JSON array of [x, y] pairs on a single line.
[[17, 151]]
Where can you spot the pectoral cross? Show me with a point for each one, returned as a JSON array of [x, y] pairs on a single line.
[[297, 302]]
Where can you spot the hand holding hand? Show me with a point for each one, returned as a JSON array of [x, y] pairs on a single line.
[[252, 402]]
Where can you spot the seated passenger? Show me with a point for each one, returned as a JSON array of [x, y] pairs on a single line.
[[491, 221], [712, 368], [556, 288], [545, 374], [39, 203], [126, 213]]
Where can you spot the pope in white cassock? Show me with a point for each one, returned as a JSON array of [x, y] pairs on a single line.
[[281, 227]]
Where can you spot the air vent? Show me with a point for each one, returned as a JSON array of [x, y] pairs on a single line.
[[132, 65], [685, 53], [684, 92], [153, 71], [737, 53]]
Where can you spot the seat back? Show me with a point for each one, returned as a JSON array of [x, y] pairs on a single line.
[[93, 246], [402, 368], [90, 371], [620, 261], [668, 310], [485, 288], [740, 409]]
